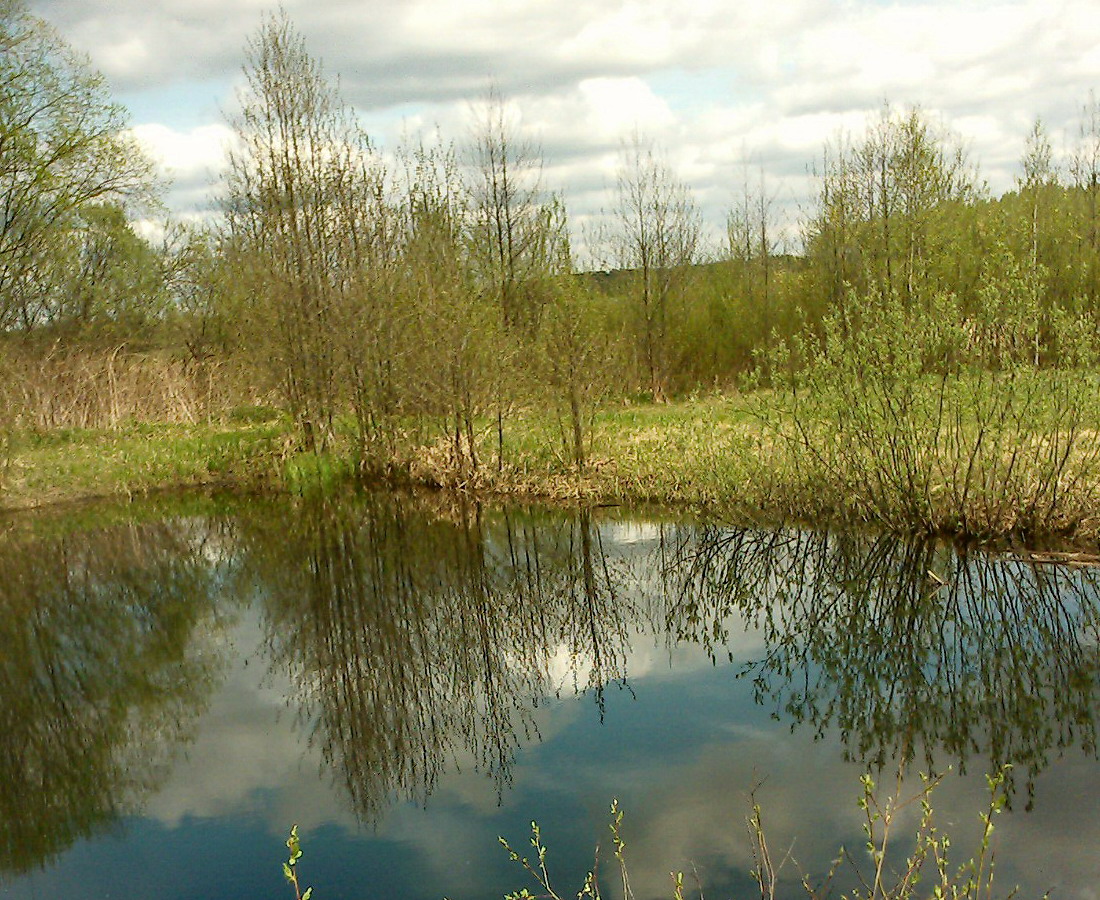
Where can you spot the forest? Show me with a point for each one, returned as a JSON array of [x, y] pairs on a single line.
[[922, 354]]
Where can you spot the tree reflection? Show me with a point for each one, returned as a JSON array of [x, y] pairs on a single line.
[[903, 647], [100, 675], [425, 633]]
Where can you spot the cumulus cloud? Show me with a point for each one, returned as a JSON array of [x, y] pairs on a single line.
[[719, 86], [196, 152], [190, 162]]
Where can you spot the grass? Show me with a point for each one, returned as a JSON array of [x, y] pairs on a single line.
[[696, 451], [1000, 466], [72, 464]]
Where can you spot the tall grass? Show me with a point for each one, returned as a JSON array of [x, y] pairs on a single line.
[[56, 386], [88, 421]]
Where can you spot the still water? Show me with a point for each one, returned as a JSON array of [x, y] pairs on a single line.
[[408, 677]]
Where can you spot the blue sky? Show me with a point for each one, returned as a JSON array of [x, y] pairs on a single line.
[[725, 88]]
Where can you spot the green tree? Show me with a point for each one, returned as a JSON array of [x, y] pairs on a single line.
[[880, 219], [1085, 173], [456, 333], [62, 149], [107, 277], [748, 273], [302, 196], [577, 362]]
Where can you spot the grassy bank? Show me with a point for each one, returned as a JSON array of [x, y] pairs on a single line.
[[1000, 468], [75, 464], [697, 452]]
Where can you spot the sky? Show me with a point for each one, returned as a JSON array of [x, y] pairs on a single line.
[[731, 92]]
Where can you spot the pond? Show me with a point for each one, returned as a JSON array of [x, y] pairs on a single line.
[[408, 677]]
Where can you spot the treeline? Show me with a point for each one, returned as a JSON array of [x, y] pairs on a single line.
[[428, 294]]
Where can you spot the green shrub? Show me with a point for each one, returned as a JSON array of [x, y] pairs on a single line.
[[921, 418]]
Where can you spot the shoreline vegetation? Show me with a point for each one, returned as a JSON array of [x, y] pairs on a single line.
[[915, 353], [893, 416], [742, 456], [877, 871]]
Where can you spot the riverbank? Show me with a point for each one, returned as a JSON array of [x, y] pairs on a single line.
[[71, 465], [696, 452], [744, 456]]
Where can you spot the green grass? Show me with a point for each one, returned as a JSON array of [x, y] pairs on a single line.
[[741, 455], [77, 463]]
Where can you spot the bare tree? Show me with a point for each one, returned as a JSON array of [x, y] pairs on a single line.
[[517, 235], [656, 237], [512, 246], [750, 231]]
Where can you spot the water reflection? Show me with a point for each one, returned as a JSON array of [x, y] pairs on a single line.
[[903, 647], [425, 633], [418, 636], [424, 636], [106, 657]]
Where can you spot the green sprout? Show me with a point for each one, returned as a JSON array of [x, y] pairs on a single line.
[[294, 845]]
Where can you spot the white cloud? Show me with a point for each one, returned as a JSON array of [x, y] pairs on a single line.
[[715, 84], [128, 54], [190, 161], [200, 151]]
